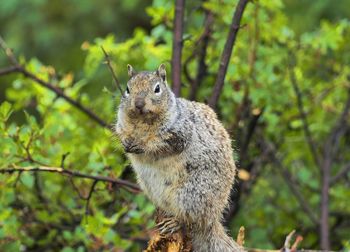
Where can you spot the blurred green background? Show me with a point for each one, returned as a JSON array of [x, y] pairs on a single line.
[[60, 41]]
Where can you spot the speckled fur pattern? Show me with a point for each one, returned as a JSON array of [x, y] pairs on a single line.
[[182, 156]]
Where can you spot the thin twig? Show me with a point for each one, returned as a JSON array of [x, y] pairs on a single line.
[[60, 93], [9, 53], [289, 179], [227, 52], [240, 236], [331, 147], [339, 129], [123, 183], [296, 243], [63, 159], [17, 68], [341, 174], [89, 197], [108, 62], [288, 240], [177, 46], [76, 188], [18, 178], [308, 136], [202, 66], [8, 70]]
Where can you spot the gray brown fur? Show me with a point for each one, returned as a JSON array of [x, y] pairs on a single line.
[[182, 156]]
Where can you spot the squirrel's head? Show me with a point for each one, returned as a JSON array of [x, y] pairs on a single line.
[[147, 95]]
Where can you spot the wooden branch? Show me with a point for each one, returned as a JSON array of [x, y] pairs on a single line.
[[324, 206], [60, 93], [17, 68], [177, 46], [88, 198], [8, 70], [204, 42], [180, 242], [331, 146], [9, 53], [59, 170], [288, 240], [338, 130], [252, 125], [109, 64], [289, 180], [341, 174], [200, 50], [226, 54], [241, 236], [302, 113], [254, 168], [324, 163]]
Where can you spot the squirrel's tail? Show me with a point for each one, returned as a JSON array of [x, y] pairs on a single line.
[[213, 239]]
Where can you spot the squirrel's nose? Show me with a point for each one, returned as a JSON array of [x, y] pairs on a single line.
[[139, 103]]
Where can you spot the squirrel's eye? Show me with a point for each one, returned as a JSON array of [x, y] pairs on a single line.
[[127, 92], [157, 89]]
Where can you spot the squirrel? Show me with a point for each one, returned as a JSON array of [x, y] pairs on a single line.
[[182, 157]]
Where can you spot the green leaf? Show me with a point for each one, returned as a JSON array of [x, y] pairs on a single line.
[[27, 179], [5, 111]]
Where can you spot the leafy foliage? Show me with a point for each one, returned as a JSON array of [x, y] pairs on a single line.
[[47, 212]]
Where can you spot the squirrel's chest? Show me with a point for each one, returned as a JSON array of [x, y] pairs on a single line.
[[160, 179]]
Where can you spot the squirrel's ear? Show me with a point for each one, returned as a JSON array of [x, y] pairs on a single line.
[[131, 71], [161, 72]]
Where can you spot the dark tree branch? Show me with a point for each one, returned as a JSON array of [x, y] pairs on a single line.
[[244, 188], [76, 188], [249, 133], [325, 185], [339, 129], [226, 54], [9, 53], [89, 197], [244, 134], [109, 64], [17, 68], [330, 148], [254, 167], [8, 70], [202, 67], [63, 159], [39, 191], [177, 46], [18, 178], [185, 69], [308, 136], [290, 181], [341, 174], [59, 170], [201, 51], [60, 93]]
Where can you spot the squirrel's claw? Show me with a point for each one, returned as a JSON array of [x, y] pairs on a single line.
[[168, 226]]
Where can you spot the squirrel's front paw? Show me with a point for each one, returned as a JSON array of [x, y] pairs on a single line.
[[168, 226], [131, 147]]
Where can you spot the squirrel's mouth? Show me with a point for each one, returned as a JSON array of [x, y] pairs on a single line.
[[143, 115], [141, 111], [134, 113]]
